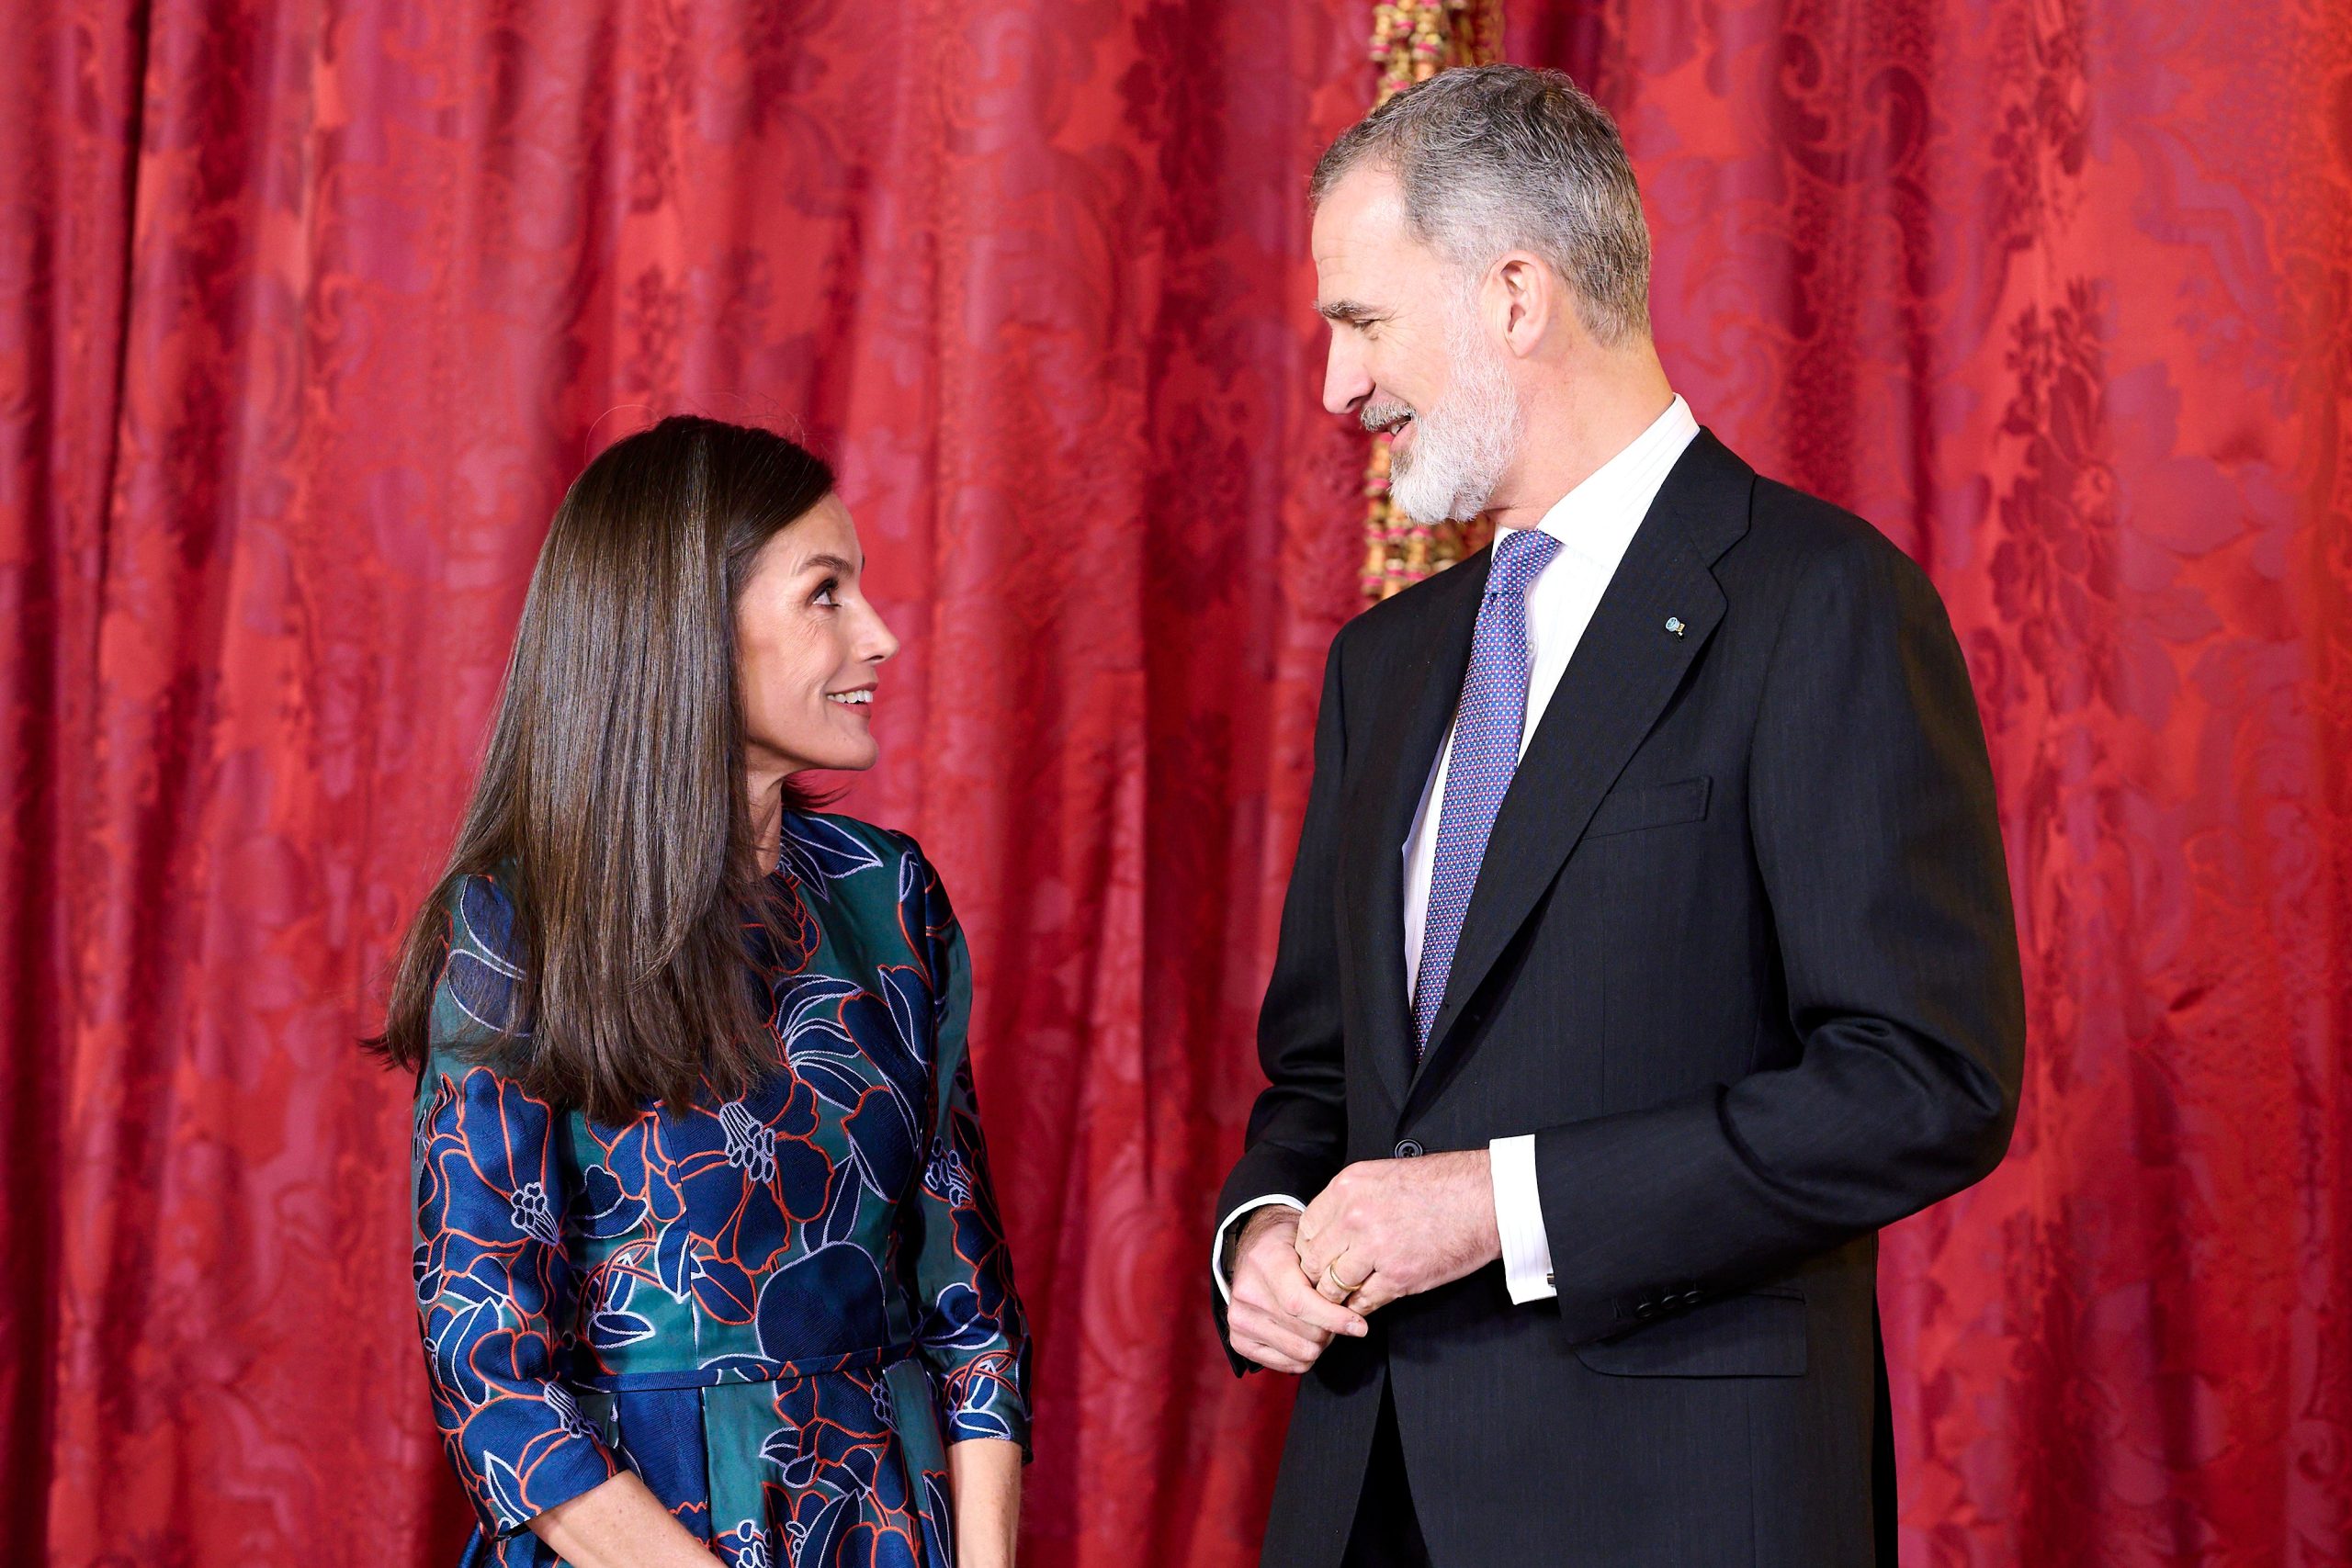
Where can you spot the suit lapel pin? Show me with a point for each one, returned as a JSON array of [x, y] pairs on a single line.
[[1674, 625]]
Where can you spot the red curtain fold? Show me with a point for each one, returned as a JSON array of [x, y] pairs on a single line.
[[307, 311]]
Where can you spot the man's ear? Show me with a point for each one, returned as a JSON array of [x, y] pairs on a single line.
[[1530, 299]]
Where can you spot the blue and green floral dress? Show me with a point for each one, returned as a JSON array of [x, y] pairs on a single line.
[[777, 1310]]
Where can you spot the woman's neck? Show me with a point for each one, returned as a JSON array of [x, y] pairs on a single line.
[[764, 792]]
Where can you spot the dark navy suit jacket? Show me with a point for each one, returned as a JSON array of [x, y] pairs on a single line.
[[1741, 956]]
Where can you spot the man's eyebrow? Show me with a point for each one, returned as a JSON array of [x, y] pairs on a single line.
[[1345, 310]]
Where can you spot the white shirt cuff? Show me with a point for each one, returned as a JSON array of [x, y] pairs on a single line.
[[1519, 1215], [1216, 1247]]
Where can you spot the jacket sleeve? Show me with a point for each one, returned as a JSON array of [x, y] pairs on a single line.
[[1298, 1130], [973, 1333], [493, 1283], [1872, 817]]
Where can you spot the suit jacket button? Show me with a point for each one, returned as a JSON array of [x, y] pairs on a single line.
[[1692, 1298], [1646, 1309], [1407, 1149]]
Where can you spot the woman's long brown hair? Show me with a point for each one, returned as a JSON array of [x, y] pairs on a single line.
[[610, 808]]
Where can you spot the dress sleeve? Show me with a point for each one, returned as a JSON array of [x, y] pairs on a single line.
[[493, 1283], [972, 1331]]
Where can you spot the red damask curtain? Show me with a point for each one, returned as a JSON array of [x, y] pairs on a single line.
[[2059, 295], [309, 310]]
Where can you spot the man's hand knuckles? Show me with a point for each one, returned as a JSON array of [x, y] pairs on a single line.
[[1261, 1253]]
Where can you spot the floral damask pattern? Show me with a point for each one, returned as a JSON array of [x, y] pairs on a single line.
[[754, 1268], [2055, 293], [308, 314]]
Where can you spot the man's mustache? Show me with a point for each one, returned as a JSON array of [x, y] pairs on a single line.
[[1377, 417]]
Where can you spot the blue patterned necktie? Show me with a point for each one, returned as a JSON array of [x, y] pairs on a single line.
[[1487, 727]]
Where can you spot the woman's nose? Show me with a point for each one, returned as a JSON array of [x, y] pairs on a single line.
[[879, 642]]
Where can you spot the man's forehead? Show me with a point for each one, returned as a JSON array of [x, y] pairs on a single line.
[[1359, 235], [1366, 203]]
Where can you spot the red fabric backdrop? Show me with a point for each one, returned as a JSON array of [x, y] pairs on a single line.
[[308, 309]]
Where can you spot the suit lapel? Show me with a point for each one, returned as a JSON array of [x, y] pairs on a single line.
[[1416, 698], [1626, 666]]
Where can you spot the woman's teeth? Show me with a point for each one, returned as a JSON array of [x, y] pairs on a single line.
[[854, 699]]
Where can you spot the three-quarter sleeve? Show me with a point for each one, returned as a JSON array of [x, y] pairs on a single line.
[[493, 1283], [972, 1331]]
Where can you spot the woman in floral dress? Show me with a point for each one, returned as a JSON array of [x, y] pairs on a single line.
[[707, 1258]]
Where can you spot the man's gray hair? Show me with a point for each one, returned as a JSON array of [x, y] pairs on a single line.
[[1493, 158]]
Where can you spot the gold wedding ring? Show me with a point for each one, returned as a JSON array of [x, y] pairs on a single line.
[[1331, 1272]]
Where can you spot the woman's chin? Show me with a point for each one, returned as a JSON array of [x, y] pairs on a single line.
[[853, 756], [843, 756]]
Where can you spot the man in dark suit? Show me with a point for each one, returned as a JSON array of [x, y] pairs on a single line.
[[1649, 945]]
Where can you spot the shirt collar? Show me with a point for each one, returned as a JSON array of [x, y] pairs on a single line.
[[1598, 518]]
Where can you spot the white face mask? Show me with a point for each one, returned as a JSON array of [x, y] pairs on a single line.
[[1462, 446]]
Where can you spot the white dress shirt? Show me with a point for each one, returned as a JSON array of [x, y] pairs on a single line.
[[1594, 523]]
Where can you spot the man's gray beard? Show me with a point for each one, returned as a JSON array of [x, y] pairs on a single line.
[[1462, 446]]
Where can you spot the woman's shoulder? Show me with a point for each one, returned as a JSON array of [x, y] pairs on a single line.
[[866, 874], [827, 849]]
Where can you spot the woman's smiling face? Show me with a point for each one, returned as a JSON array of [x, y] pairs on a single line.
[[809, 648]]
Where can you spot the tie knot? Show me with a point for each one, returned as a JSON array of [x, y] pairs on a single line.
[[1519, 555]]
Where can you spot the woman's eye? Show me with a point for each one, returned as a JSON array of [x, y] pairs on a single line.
[[825, 592]]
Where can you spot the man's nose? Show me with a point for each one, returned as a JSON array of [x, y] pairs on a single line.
[[1345, 384]]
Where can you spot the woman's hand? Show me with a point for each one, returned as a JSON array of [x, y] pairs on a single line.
[[620, 1524], [984, 1475]]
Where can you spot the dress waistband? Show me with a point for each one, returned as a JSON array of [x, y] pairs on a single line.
[[741, 1369]]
